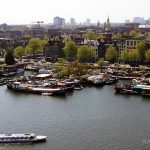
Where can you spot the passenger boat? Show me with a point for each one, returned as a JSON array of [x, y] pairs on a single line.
[[21, 138]]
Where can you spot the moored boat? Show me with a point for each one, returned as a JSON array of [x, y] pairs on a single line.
[[21, 138], [146, 92], [35, 89], [78, 87]]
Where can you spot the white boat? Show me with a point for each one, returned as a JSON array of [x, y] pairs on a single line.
[[21, 138]]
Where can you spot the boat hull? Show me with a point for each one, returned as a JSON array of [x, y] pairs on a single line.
[[22, 138]]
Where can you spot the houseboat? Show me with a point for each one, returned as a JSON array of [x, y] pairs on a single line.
[[21, 138], [35, 89]]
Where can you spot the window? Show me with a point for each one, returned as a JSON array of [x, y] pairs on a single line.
[[127, 43], [135, 43]]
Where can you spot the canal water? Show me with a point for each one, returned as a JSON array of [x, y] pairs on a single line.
[[90, 119]]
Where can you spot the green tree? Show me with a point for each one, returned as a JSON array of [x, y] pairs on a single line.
[[125, 34], [85, 53], [27, 50], [34, 46], [46, 38], [70, 49], [133, 34], [9, 58], [61, 61], [117, 36], [43, 43], [134, 55], [148, 36], [101, 37], [19, 51], [147, 56], [141, 49], [110, 54], [124, 56], [90, 36], [101, 62]]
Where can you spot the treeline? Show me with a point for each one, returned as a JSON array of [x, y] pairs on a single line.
[[34, 47]]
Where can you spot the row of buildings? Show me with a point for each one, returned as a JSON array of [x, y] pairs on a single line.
[[55, 47]]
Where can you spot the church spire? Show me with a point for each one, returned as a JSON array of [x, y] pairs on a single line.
[[107, 28]]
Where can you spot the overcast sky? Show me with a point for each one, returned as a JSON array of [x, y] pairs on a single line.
[[28, 11]]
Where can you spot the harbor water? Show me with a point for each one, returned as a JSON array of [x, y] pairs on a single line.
[[90, 119]]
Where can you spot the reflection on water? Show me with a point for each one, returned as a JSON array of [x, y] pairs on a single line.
[[93, 118]]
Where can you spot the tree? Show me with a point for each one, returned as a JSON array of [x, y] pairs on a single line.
[[43, 43], [46, 38], [141, 49], [101, 37], [9, 58], [70, 49], [134, 55], [101, 62], [133, 34], [90, 36], [124, 56], [110, 54], [125, 34], [117, 36], [148, 36], [85, 53], [27, 50], [19, 51], [34, 46], [147, 56]]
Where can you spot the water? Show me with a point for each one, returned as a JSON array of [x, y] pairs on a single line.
[[91, 119]]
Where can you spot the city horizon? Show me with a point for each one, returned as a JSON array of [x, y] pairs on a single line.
[[67, 21], [25, 12]]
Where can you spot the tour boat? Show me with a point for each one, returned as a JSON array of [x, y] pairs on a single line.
[[21, 138]]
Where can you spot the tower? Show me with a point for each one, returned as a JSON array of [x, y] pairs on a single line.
[[107, 27]]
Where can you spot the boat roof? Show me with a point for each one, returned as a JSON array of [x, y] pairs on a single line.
[[17, 135], [146, 88], [43, 75], [141, 86]]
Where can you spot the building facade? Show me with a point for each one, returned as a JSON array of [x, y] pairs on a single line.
[[59, 22], [54, 49]]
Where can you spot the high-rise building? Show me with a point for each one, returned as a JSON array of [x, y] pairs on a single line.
[[127, 21], [88, 22], [72, 21], [139, 20], [59, 22]]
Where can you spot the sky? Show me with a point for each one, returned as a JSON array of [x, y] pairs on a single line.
[[29, 11]]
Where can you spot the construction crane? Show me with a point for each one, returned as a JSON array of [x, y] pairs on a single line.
[[38, 23]]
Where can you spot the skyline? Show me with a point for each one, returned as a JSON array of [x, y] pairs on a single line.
[[26, 12]]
